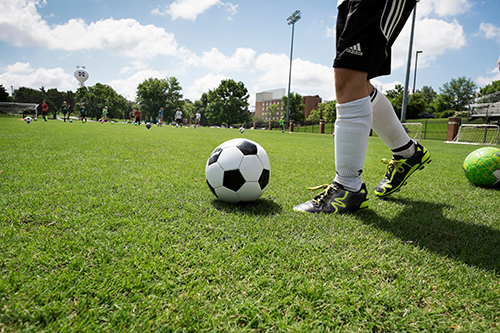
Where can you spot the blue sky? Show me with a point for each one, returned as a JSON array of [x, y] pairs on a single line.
[[201, 42]]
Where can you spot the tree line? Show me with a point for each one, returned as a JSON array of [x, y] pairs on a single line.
[[225, 105], [228, 103]]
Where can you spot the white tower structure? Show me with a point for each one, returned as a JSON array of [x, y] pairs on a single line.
[[81, 75]]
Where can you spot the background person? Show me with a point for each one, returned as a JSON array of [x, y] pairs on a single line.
[[83, 113], [65, 110], [137, 115], [104, 114], [178, 117], [45, 110]]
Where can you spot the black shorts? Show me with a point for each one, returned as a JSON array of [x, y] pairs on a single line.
[[366, 31]]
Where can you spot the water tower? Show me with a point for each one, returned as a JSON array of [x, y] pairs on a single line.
[[81, 75]]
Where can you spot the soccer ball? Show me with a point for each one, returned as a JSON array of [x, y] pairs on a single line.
[[148, 125], [71, 120], [27, 120], [238, 170], [241, 129], [482, 166]]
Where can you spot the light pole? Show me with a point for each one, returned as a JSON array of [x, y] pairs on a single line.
[[408, 65], [292, 19], [415, 75]]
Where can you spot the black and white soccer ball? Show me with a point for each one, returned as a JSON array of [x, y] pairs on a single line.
[[241, 129], [238, 170], [27, 120]]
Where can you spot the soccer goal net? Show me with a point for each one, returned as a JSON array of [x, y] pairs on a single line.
[[486, 134], [21, 109], [414, 130]]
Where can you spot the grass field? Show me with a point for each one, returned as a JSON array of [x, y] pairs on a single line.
[[112, 228]]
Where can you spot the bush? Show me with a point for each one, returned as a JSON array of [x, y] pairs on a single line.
[[445, 114]]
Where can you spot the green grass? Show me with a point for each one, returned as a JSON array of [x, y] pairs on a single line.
[[111, 228]]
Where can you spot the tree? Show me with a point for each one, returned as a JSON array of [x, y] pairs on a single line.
[[326, 111], [489, 88], [27, 95], [272, 111], [228, 103], [99, 96], [188, 110], [153, 94], [296, 107], [491, 93], [201, 105], [4, 95], [429, 94], [174, 97], [416, 106], [456, 95]]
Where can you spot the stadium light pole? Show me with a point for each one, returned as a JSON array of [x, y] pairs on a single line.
[[292, 19], [415, 75], [408, 65]]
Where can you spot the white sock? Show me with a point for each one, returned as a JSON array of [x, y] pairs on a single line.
[[387, 125], [352, 129]]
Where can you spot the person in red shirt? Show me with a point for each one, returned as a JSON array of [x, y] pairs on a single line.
[[137, 115], [45, 110]]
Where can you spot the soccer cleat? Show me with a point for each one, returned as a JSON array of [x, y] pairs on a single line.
[[335, 200], [398, 171]]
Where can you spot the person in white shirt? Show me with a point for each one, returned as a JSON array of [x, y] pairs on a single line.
[[197, 119], [178, 117]]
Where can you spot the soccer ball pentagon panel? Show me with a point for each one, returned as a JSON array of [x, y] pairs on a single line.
[[238, 170], [482, 166]]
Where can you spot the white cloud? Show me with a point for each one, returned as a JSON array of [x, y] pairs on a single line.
[[217, 61], [23, 75], [490, 31], [190, 9], [443, 8], [22, 25], [203, 85], [432, 36], [484, 80], [307, 78]]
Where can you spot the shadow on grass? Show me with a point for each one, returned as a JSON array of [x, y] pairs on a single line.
[[424, 224], [260, 207]]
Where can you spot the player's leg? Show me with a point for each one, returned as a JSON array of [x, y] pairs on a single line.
[[352, 128], [356, 23], [408, 156]]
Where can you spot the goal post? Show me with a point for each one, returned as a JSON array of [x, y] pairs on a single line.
[[414, 130], [473, 134], [22, 109]]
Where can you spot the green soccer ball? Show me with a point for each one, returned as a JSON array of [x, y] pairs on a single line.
[[482, 167]]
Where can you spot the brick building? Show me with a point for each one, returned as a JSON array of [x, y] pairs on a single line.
[[267, 98], [311, 103]]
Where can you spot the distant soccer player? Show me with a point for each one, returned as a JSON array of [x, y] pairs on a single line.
[[178, 117], [83, 113], [282, 124], [197, 119], [160, 117], [104, 114], [137, 115], [45, 110], [366, 31], [65, 110]]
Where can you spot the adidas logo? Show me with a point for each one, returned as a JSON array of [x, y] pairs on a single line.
[[355, 49]]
